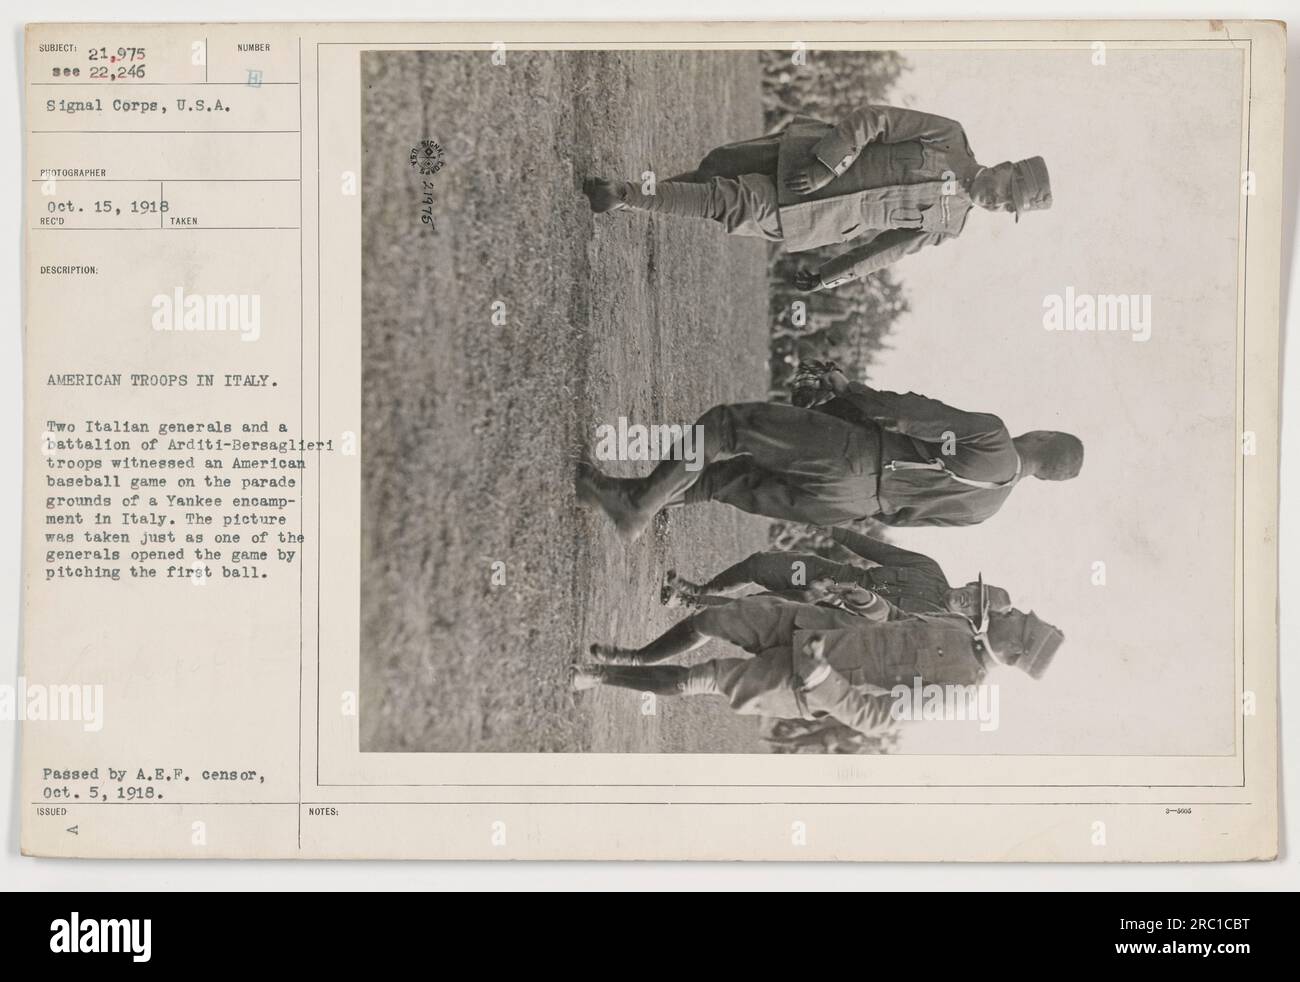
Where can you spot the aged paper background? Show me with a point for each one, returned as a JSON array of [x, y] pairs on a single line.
[[212, 679]]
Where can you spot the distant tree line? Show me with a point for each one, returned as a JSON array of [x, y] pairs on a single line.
[[848, 325]]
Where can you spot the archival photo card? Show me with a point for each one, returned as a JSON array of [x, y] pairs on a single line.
[[629, 441]]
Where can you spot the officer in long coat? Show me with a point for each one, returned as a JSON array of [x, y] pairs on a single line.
[[904, 459], [911, 581], [891, 181], [809, 661]]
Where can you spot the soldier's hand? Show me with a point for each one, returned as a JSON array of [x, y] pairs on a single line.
[[814, 649], [822, 588], [809, 396], [813, 668], [837, 381], [813, 176], [813, 372], [810, 386], [808, 280]]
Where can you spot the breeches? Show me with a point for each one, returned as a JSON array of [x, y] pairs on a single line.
[[788, 463], [759, 686], [735, 186]]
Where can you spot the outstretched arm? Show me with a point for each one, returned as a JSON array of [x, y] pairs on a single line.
[[881, 124], [827, 691], [835, 153], [920, 416], [882, 553], [881, 251]]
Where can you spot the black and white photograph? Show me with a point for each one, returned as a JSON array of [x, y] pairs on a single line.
[[801, 401]]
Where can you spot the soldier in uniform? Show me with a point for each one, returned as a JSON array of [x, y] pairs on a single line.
[[902, 459], [810, 662], [911, 581], [890, 180]]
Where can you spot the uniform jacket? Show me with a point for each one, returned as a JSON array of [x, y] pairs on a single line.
[[899, 186], [870, 658], [915, 429], [911, 581]]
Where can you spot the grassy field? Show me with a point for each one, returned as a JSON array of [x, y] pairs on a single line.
[[471, 426]]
